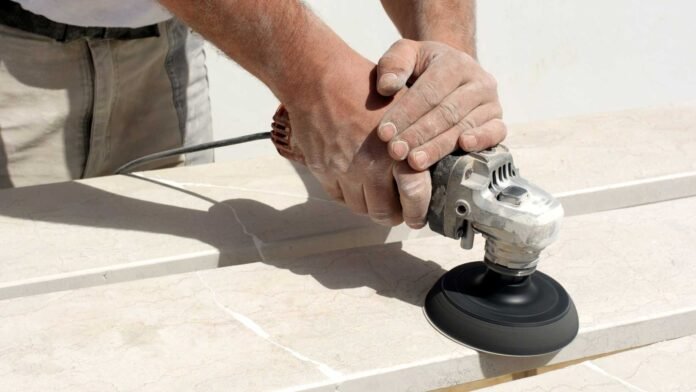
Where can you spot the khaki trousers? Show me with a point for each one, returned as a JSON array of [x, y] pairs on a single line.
[[83, 108]]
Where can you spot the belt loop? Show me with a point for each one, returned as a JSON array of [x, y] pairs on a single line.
[[63, 35]]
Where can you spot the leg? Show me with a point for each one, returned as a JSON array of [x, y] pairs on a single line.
[[45, 108], [150, 95]]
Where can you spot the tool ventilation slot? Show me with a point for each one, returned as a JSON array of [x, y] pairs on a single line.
[[501, 176]]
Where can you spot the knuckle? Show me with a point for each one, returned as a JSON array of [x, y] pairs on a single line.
[[462, 57], [429, 93], [449, 112], [413, 191], [339, 166], [467, 123], [441, 148], [415, 136], [401, 115], [392, 63], [489, 82], [486, 85], [316, 168]]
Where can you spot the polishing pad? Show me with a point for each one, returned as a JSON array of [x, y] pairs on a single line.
[[499, 314]]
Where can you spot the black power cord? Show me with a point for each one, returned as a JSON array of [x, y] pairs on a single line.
[[184, 150]]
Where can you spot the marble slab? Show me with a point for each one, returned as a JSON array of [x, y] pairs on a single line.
[[576, 378], [114, 229], [664, 366], [348, 319], [592, 163], [597, 150]]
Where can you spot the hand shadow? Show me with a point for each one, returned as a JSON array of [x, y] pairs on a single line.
[[245, 230], [242, 230]]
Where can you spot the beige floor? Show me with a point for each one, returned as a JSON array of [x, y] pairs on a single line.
[[244, 277]]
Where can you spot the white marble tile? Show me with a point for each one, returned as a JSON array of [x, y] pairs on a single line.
[[577, 378], [666, 366], [115, 229], [602, 149], [165, 334], [349, 319], [98, 230]]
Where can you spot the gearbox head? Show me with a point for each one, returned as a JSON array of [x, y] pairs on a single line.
[[483, 192]]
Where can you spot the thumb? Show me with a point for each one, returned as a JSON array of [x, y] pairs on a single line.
[[396, 66], [414, 191]]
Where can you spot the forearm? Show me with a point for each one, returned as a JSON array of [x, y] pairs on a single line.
[[281, 43], [449, 21]]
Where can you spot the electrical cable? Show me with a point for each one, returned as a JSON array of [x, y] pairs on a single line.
[[188, 149]]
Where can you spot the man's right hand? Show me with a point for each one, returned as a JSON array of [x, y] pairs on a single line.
[[335, 130], [330, 95]]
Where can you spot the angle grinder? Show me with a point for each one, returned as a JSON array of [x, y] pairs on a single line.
[[501, 305]]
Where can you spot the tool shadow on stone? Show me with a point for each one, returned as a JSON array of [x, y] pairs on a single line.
[[386, 269], [242, 230], [493, 365]]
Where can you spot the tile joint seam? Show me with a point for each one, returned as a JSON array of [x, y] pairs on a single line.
[[592, 366], [332, 374]]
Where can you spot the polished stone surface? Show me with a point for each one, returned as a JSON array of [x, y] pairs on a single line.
[[604, 149], [115, 229], [258, 282], [577, 378], [664, 366], [349, 319]]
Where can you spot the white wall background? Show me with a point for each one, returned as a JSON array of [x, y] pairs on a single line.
[[552, 58]]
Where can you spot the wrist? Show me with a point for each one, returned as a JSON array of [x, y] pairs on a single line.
[[326, 79], [307, 61]]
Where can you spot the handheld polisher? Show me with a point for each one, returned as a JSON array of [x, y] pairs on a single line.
[[501, 305]]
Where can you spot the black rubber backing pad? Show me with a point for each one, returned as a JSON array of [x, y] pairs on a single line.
[[502, 315]]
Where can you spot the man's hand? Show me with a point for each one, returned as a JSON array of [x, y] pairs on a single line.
[[336, 133], [451, 102], [335, 109]]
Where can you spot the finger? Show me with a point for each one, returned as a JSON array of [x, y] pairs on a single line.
[[424, 156], [414, 194], [354, 197], [396, 66], [445, 73], [430, 153], [483, 137], [383, 204], [444, 116]]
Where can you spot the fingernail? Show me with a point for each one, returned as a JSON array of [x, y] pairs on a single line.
[[386, 131], [389, 81], [416, 224], [421, 159], [468, 142], [400, 149]]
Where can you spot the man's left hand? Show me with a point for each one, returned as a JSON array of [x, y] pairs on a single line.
[[452, 102]]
